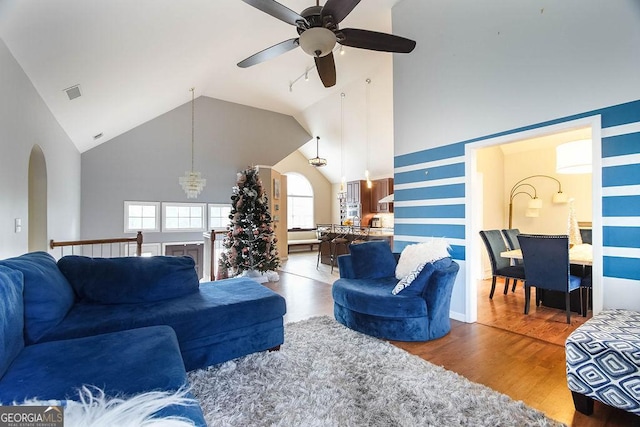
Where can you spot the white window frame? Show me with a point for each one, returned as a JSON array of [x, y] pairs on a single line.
[[209, 216], [128, 203], [203, 221], [300, 196]]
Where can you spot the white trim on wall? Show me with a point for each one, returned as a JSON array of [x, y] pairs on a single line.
[[473, 202]]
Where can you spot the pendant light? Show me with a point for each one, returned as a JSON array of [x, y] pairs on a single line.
[[317, 161], [574, 157], [192, 183]]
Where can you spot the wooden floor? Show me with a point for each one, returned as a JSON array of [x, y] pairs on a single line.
[[522, 367], [507, 312]]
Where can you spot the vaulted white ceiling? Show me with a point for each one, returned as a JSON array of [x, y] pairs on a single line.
[[137, 59]]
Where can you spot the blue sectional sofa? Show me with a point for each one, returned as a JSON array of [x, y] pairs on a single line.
[[363, 298], [125, 325]]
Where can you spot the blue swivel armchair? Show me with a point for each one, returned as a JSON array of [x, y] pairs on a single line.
[[363, 298]]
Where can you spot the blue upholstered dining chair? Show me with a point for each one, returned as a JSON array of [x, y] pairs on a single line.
[[500, 267], [546, 265], [511, 236]]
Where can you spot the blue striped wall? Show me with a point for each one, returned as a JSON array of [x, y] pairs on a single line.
[[433, 204]]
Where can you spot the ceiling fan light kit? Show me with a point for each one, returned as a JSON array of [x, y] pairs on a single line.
[[318, 32], [317, 42]]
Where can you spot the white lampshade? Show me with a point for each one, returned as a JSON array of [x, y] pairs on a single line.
[[559, 198], [535, 203], [317, 41], [532, 213], [574, 157]]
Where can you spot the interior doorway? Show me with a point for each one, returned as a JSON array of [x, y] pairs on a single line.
[[37, 220], [489, 195], [193, 250]]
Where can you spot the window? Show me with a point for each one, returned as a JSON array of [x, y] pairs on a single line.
[[183, 216], [219, 216], [141, 216], [299, 202]]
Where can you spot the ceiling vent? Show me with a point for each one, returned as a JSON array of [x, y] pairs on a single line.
[[73, 92]]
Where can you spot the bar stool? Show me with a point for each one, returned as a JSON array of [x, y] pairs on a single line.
[[341, 240], [323, 232]]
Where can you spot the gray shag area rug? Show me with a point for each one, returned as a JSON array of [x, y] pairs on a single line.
[[328, 375]]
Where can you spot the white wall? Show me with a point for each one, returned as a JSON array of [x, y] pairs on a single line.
[[144, 164], [26, 121], [485, 67]]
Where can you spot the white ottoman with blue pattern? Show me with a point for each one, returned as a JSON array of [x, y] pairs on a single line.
[[603, 361]]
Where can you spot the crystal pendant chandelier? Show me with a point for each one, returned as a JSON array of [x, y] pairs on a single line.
[[191, 182]]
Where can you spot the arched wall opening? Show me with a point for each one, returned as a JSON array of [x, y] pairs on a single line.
[[37, 222]]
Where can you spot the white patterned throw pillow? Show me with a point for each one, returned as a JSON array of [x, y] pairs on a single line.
[[420, 253], [408, 279]]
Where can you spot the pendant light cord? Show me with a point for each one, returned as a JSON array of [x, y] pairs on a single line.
[[342, 95], [192, 123]]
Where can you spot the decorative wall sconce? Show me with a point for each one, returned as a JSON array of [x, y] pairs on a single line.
[[535, 204]]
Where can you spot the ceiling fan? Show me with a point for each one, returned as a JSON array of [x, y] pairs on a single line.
[[318, 32]]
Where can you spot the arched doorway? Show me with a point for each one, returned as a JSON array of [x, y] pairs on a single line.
[[37, 222]]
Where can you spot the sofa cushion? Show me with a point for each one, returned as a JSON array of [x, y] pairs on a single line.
[[130, 280], [373, 297], [127, 362], [221, 312], [11, 316], [47, 294], [372, 260]]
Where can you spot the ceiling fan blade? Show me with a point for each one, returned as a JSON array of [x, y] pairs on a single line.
[[326, 69], [372, 40], [277, 10], [269, 53], [338, 9]]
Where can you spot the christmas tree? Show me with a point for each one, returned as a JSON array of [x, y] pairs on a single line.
[[250, 243]]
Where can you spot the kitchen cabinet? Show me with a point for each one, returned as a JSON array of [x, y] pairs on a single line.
[[381, 188], [353, 192], [359, 194]]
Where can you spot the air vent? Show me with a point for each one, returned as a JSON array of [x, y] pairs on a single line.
[[73, 92]]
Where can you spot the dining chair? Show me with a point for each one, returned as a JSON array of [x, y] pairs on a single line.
[[500, 267], [511, 236], [323, 233], [546, 266]]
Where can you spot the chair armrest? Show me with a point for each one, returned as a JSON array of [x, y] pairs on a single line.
[[437, 293], [346, 267]]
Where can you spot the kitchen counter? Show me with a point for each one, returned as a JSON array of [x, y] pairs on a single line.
[[383, 232], [374, 234]]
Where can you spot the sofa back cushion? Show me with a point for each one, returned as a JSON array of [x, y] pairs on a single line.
[[48, 297], [372, 260], [130, 280], [11, 316]]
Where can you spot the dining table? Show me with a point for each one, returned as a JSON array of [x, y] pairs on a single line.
[[578, 254]]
